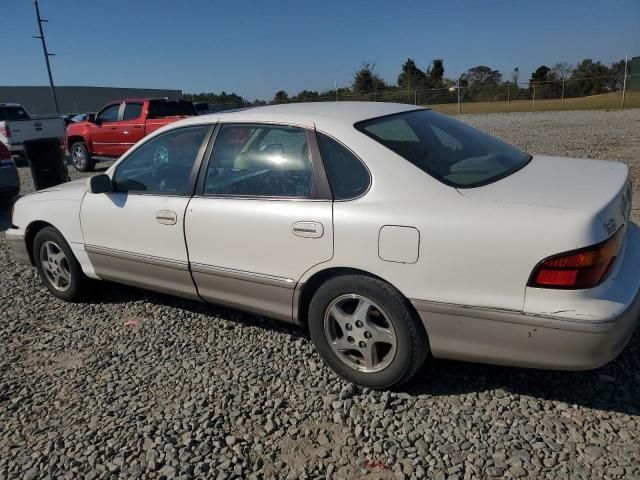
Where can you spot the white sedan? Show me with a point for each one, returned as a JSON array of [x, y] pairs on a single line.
[[392, 232]]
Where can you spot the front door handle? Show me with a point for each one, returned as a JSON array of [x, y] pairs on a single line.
[[166, 217], [308, 229]]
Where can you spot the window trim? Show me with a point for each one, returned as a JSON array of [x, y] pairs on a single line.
[[356, 156], [320, 189], [440, 179], [193, 175]]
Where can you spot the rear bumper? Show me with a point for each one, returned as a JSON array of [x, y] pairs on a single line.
[[17, 244], [515, 339], [583, 329], [16, 148]]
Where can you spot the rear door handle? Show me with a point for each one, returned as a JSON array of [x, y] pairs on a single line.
[[308, 229], [166, 217]]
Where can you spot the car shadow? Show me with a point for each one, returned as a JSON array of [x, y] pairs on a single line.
[[113, 293], [613, 387]]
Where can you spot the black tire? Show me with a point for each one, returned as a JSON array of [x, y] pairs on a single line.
[[81, 158], [78, 281], [412, 345]]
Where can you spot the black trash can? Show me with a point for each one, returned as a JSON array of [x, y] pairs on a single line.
[[46, 159]]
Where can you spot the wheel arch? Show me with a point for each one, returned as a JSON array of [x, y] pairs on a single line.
[[75, 139], [30, 234], [305, 291]]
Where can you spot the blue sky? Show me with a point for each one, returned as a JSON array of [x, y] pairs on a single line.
[[256, 48]]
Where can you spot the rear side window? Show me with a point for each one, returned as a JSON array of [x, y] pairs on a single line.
[[170, 108], [260, 161], [448, 150], [348, 177], [132, 111]]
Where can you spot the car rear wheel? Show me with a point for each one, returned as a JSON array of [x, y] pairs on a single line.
[[57, 266], [81, 157], [366, 332]]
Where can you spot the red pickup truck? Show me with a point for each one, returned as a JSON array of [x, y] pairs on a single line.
[[118, 126]]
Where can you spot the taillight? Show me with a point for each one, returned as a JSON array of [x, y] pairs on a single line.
[[5, 131], [583, 268]]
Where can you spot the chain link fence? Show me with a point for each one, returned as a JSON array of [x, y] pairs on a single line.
[[588, 93]]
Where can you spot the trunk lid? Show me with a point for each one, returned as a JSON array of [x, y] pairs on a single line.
[[600, 187]]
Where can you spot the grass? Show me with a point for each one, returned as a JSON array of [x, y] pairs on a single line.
[[595, 102]]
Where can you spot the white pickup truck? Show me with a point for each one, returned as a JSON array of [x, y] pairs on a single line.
[[17, 126]]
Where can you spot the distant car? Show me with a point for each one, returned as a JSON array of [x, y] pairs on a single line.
[[68, 118], [9, 179], [202, 108], [81, 117], [17, 127], [118, 126], [392, 232]]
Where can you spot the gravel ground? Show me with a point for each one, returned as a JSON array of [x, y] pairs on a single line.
[[143, 385]]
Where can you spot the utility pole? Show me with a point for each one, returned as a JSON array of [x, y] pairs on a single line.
[[624, 81], [562, 107], [46, 56]]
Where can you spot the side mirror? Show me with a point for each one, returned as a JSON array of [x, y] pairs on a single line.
[[91, 118], [100, 184], [97, 121]]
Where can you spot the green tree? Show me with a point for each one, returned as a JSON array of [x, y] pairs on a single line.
[[617, 74], [280, 96], [411, 76], [589, 78], [366, 80], [436, 74], [481, 75], [307, 96]]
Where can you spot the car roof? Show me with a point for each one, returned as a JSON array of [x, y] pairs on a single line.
[[308, 114]]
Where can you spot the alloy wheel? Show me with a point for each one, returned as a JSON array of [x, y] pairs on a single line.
[[360, 333], [55, 266], [79, 157]]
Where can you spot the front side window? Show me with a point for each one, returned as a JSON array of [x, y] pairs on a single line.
[[348, 177], [260, 161], [132, 111], [163, 164], [449, 150], [109, 114]]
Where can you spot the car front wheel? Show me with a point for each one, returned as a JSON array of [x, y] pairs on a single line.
[[366, 332], [57, 266], [81, 157]]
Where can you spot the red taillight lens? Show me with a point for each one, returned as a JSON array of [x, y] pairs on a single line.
[[5, 131], [584, 268]]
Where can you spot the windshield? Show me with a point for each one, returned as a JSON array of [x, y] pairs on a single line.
[[446, 149], [13, 114]]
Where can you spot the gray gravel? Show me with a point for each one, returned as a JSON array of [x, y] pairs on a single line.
[[142, 385]]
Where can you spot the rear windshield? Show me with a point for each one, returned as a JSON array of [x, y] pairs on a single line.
[[170, 108], [449, 150], [13, 113]]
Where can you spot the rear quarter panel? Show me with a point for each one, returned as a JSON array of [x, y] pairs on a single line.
[[476, 253]]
